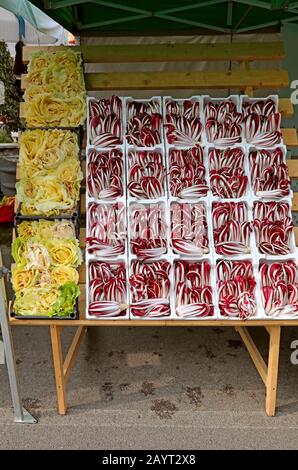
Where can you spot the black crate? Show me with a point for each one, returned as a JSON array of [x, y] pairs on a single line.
[[73, 216], [73, 316], [75, 220]]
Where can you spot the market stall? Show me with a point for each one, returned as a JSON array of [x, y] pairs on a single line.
[[204, 275]]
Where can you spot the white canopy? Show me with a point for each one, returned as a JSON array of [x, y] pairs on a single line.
[[39, 28]]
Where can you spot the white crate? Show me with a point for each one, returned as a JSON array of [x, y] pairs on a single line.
[[129, 99], [123, 256], [204, 256], [278, 260], [212, 285], [107, 150], [171, 294], [206, 199], [259, 311], [207, 99], [292, 241], [90, 99], [271, 150], [248, 194], [125, 314], [193, 99], [247, 99], [159, 149], [147, 204]]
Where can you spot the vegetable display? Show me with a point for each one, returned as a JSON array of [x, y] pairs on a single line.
[[106, 230], [107, 288], [192, 197], [261, 123], [148, 231], [50, 172], [227, 173], [144, 123], [105, 174], [105, 124], [269, 173], [236, 289], [193, 292], [55, 93], [189, 229], [150, 289], [231, 228], [44, 276], [273, 227], [187, 173], [183, 125], [223, 122], [279, 288], [147, 174]]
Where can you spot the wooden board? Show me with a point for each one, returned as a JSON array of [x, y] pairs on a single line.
[[245, 51], [285, 107], [293, 168], [295, 202], [198, 323], [289, 136], [183, 80]]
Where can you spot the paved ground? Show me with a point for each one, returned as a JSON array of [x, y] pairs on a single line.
[[148, 388]]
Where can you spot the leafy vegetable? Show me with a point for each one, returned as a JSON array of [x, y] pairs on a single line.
[[56, 94], [5, 138], [41, 253], [64, 304], [44, 195], [47, 301], [50, 172]]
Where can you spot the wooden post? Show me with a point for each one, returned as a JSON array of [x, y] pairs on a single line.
[[273, 361], [58, 368]]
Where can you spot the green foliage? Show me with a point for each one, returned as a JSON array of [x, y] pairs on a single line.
[[5, 137], [10, 108]]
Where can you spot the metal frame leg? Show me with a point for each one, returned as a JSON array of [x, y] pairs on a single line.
[[21, 415]]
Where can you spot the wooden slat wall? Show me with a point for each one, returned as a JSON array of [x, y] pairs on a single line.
[[172, 52], [285, 107], [184, 80]]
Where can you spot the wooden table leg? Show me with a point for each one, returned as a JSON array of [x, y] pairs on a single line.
[[253, 352], [72, 352], [273, 361], [58, 368]]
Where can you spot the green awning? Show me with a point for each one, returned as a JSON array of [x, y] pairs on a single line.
[[169, 16]]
